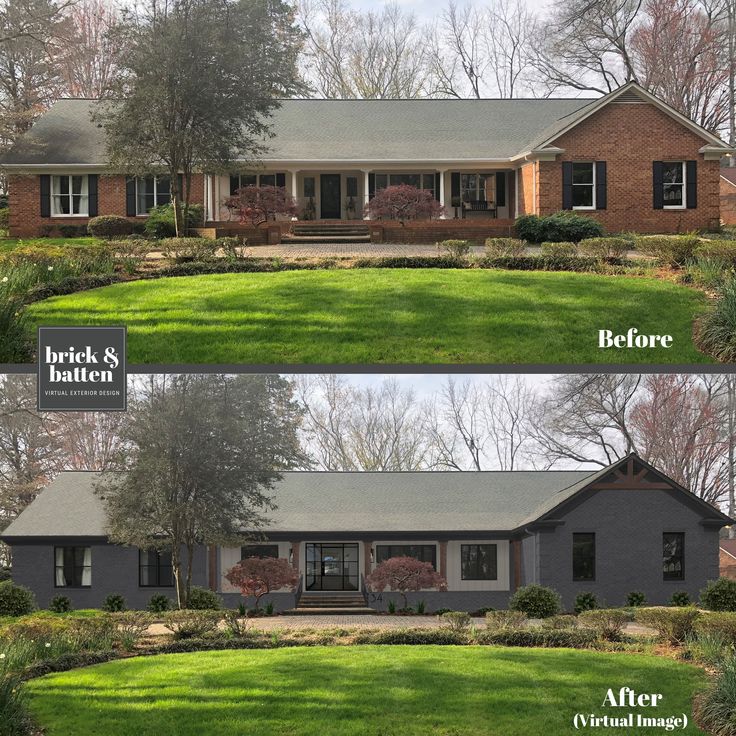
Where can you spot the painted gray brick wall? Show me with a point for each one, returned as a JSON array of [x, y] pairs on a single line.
[[628, 526], [114, 570]]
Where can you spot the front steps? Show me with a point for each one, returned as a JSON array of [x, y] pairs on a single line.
[[328, 232], [331, 604]]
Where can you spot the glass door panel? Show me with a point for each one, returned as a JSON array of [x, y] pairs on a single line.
[[332, 566]]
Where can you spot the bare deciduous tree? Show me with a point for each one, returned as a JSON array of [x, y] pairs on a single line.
[[369, 55], [371, 428]]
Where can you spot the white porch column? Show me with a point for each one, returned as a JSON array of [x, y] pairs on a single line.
[[293, 183], [443, 216], [366, 190]]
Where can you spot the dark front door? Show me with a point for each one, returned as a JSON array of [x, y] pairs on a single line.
[[329, 190], [332, 566]]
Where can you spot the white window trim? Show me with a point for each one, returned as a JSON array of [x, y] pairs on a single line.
[[595, 187], [684, 189], [53, 196], [155, 194]]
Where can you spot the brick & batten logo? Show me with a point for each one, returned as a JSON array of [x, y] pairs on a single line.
[[82, 369]]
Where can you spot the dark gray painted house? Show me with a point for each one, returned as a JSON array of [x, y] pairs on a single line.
[[624, 528]]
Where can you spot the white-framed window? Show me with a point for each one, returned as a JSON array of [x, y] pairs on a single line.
[[151, 191], [583, 185], [673, 185], [72, 567], [70, 195], [478, 187]]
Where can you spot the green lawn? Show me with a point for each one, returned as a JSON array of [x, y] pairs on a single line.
[[355, 691], [386, 316]]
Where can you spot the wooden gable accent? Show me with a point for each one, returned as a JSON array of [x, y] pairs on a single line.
[[632, 475]]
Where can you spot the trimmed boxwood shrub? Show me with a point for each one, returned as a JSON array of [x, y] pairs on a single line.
[[564, 249], [721, 250], [608, 623], [719, 595], [586, 601], [505, 247], [605, 247], [159, 603], [456, 620], [672, 624], [722, 623], [505, 620], [454, 248], [636, 598], [680, 598], [203, 599], [413, 636], [15, 600], [60, 604], [574, 638], [535, 601], [669, 250], [559, 227], [160, 221], [110, 226], [114, 603]]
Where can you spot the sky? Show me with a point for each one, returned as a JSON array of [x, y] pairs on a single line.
[[427, 10]]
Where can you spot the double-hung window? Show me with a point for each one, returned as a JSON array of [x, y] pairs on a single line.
[[477, 187], [155, 569], [69, 195], [479, 561], [151, 191], [673, 184], [583, 185], [72, 567], [673, 556]]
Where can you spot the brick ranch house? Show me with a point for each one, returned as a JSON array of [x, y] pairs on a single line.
[[626, 158], [626, 527]]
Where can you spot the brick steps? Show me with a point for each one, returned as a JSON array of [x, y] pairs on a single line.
[[337, 604], [327, 233]]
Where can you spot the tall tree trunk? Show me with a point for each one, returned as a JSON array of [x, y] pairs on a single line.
[[730, 380], [176, 566], [190, 564], [732, 77]]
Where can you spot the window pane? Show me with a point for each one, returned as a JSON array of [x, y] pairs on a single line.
[[428, 181], [673, 195], [582, 173], [163, 190], [583, 556], [79, 185], [381, 181], [60, 204], [672, 172], [73, 567], [582, 195], [422, 552], [259, 550], [351, 185], [479, 561], [309, 186], [673, 556], [268, 180]]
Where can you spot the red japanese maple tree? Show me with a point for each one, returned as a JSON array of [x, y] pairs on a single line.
[[259, 204], [405, 574], [256, 576], [403, 202]]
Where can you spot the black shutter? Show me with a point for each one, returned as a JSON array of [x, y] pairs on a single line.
[[234, 184], [691, 184], [601, 186], [45, 187], [567, 185], [455, 188], [437, 186], [280, 180], [130, 197], [500, 189], [92, 180], [658, 185], [371, 186]]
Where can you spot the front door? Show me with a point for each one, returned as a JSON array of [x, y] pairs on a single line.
[[332, 566], [329, 191]]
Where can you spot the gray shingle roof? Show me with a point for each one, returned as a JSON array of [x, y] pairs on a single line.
[[338, 130], [322, 502]]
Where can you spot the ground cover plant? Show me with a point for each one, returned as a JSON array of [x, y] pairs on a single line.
[[424, 690], [385, 316]]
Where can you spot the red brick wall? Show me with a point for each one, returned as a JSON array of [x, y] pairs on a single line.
[[24, 201], [728, 202], [629, 137], [727, 565], [526, 189], [435, 230]]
